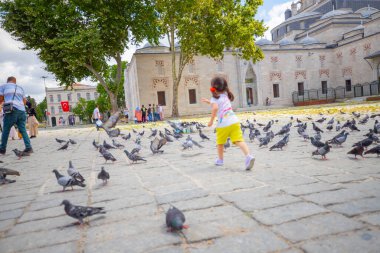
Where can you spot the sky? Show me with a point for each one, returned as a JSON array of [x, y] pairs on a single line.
[[28, 69]]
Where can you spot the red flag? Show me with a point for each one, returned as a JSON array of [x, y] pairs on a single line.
[[65, 106]]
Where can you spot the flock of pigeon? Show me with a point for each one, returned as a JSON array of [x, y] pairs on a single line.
[[175, 219], [322, 147]]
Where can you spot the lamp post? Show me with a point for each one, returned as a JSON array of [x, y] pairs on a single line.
[[46, 111]]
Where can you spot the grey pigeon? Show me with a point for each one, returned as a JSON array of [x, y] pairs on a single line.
[[72, 142], [338, 126], [4, 173], [340, 139], [175, 219], [322, 151], [107, 146], [113, 133], [227, 144], [136, 150], [127, 137], [187, 145], [154, 133], [318, 136], [64, 147], [203, 136], [278, 145], [20, 153], [107, 155], [104, 175], [156, 145], [331, 121], [264, 141], [364, 143], [81, 212], [316, 143], [133, 157], [95, 144], [315, 128], [358, 150], [374, 150], [116, 144], [59, 140], [74, 173], [67, 181]]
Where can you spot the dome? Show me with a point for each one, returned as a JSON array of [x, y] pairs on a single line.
[[263, 41], [177, 44], [368, 12], [286, 41], [334, 13], [309, 40], [303, 15], [147, 45]]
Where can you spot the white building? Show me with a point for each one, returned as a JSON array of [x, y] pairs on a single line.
[[55, 95], [323, 51]]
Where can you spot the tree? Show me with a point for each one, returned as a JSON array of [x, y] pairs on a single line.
[[76, 38], [80, 109], [40, 110], [207, 27]]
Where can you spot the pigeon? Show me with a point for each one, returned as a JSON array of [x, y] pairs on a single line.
[[74, 173], [136, 150], [315, 128], [227, 144], [357, 115], [107, 146], [104, 175], [203, 137], [60, 141], [364, 143], [113, 133], [133, 157], [322, 151], [329, 127], [142, 133], [321, 120], [316, 143], [264, 141], [283, 131], [81, 212], [374, 150], [64, 147], [107, 155], [318, 136], [342, 112], [338, 126], [331, 121], [339, 140], [116, 144], [154, 133], [4, 173], [175, 219], [364, 120], [72, 141], [168, 138], [20, 153], [278, 145], [95, 144], [67, 181], [127, 137], [187, 145], [304, 135], [358, 150]]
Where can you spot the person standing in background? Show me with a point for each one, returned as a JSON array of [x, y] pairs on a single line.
[[143, 114], [150, 113], [32, 120], [161, 112], [96, 116]]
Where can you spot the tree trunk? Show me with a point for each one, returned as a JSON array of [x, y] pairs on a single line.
[[113, 99]]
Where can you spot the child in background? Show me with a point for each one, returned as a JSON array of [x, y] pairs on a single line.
[[228, 124]]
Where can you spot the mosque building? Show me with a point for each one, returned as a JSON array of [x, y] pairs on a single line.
[[323, 51]]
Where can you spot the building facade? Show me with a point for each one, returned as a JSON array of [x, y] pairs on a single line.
[[54, 96], [323, 49]]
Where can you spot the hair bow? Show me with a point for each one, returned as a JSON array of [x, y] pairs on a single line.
[[212, 89]]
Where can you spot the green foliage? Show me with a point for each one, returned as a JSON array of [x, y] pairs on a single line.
[[40, 110], [207, 27], [80, 109], [76, 38]]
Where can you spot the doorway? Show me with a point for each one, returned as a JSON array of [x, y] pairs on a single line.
[[249, 92], [53, 121]]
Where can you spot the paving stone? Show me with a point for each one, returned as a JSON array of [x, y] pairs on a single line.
[[42, 214], [68, 247], [181, 195], [360, 241], [259, 240], [38, 239], [170, 249], [342, 178], [357, 206], [197, 203], [373, 218], [11, 214], [337, 196], [6, 224], [316, 226], [310, 188], [287, 213], [211, 214], [40, 225], [16, 199]]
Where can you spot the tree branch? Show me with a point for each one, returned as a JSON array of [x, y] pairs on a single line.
[[98, 76], [119, 69]]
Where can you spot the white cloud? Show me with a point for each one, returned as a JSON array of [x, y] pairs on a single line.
[[275, 16]]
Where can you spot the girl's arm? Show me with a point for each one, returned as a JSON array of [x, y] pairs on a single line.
[[214, 110], [205, 100]]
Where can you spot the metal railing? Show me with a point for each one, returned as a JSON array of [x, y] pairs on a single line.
[[340, 92]]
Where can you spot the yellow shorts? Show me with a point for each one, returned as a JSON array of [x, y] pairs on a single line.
[[233, 131]]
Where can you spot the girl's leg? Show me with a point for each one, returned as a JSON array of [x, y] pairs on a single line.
[[220, 151], [243, 147]]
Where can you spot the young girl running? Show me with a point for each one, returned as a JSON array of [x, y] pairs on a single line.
[[228, 124]]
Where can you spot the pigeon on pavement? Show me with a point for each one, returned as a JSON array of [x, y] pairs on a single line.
[[60, 141], [20, 153], [358, 150], [4, 173], [104, 175], [322, 151], [72, 141], [67, 181], [81, 212], [116, 144], [316, 143], [64, 147], [133, 157], [374, 150], [74, 173], [107, 146], [175, 219], [95, 144], [203, 136]]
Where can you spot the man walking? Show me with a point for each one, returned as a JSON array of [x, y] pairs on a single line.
[[15, 114], [96, 116]]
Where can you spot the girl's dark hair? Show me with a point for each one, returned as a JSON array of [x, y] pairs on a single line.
[[220, 84]]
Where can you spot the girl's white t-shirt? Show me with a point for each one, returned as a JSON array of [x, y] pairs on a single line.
[[226, 115]]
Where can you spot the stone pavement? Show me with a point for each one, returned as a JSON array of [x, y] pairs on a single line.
[[290, 202]]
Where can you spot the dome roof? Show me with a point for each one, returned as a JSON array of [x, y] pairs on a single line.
[[147, 45], [368, 12], [303, 15], [286, 41], [334, 13], [309, 40], [263, 41], [177, 44]]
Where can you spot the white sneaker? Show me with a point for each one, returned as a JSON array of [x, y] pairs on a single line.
[[249, 162], [218, 162]]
